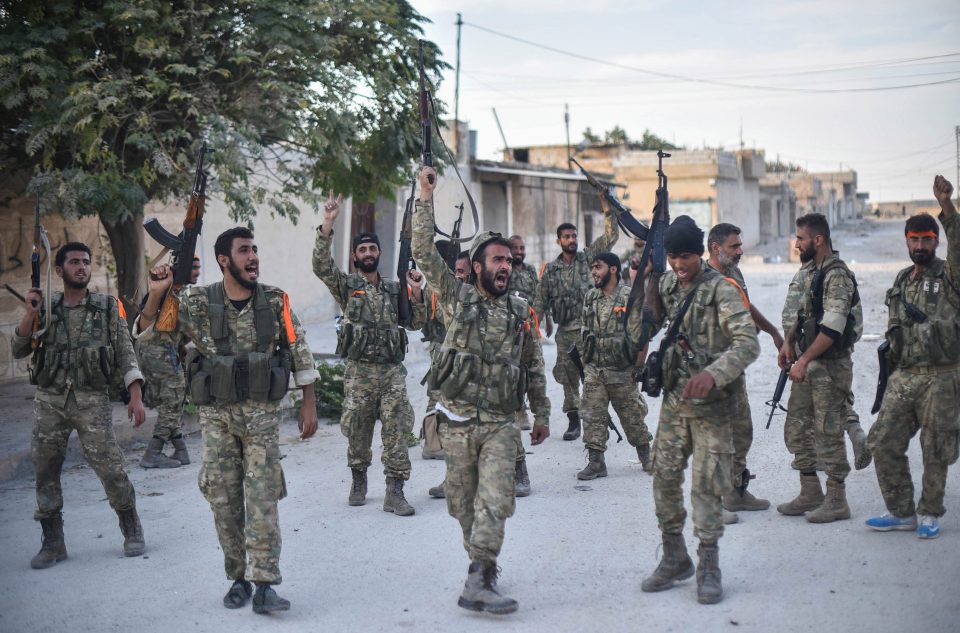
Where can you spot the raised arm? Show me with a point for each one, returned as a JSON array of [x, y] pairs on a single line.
[[611, 232], [950, 220], [440, 278]]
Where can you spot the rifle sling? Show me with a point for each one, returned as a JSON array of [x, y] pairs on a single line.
[[453, 162]]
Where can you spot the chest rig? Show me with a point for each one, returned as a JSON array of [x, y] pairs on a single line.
[[605, 344], [371, 333], [924, 318]]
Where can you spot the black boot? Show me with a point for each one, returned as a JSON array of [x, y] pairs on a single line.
[[358, 489], [133, 544], [266, 600], [54, 549], [573, 431], [240, 592]]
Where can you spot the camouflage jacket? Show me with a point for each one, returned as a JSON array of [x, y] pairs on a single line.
[[502, 346], [722, 338], [523, 283], [794, 299], [604, 343], [563, 286], [936, 292], [78, 332], [840, 300], [732, 273]]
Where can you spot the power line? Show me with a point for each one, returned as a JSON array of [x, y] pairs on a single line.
[[702, 80]]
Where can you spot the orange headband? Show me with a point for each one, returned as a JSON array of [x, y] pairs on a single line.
[[918, 234]]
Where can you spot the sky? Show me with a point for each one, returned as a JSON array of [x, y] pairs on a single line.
[[799, 78]]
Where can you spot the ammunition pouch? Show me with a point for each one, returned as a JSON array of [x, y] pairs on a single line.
[[344, 340], [465, 368], [372, 344], [567, 308], [44, 366], [511, 388], [441, 364], [589, 347], [652, 376], [228, 379], [933, 342]]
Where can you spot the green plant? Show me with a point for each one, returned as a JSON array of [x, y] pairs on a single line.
[[329, 391]]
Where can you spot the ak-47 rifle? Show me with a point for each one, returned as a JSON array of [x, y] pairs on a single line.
[[426, 147], [182, 246], [645, 287], [40, 243], [630, 225], [774, 403], [405, 261], [453, 252]]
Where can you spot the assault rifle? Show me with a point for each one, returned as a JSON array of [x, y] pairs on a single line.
[[574, 355], [182, 246], [454, 251], [645, 290], [774, 403], [426, 148], [405, 261], [630, 225], [40, 242], [883, 356]]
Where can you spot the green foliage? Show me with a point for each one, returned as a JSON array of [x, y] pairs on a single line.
[[329, 391], [618, 136], [779, 166], [650, 141], [590, 137], [113, 99]]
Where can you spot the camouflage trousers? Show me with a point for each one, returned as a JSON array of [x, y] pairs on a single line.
[[165, 388], [602, 388], [709, 441], [479, 483], [741, 426], [820, 404], [241, 478], [375, 391], [924, 400], [564, 372], [90, 414]]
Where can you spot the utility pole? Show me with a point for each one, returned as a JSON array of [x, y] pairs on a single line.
[[456, 96], [956, 131], [566, 124]]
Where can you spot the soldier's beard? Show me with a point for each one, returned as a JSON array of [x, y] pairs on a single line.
[[727, 262], [366, 267], [238, 275], [518, 260], [921, 258], [487, 282], [602, 283], [571, 248], [808, 254], [73, 284]]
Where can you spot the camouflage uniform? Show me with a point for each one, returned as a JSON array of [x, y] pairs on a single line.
[[241, 476], [375, 379], [561, 293], [73, 394], [608, 370], [724, 339], [924, 387], [433, 332], [164, 389], [492, 349], [742, 422], [822, 401], [523, 283]]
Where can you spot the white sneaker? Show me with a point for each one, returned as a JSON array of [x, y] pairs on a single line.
[[929, 527]]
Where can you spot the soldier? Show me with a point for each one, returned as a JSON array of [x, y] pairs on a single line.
[[631, 258], [711, 341], [818, 352], [563, 284], [160, 362], [923, 331], [248, 344], [491, 358], [433, 333], [523, 283], [726, 249], [374, 345], [608, 363], [85, 349]]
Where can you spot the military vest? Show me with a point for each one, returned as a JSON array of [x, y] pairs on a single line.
[[479, 362], [934, 341], [371, 335], [85, 363], [228, 377], [811, 313], [523, 282], [604, 339], [434, 330], [566, 287]]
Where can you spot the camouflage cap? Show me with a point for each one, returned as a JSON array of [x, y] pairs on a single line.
[[482, 239]]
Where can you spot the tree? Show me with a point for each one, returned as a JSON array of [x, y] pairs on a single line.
[[616, 135], [651, 141], [110, 100], [590, 137]]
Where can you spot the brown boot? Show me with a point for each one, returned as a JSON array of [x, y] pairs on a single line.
[[358, 489], [54, 549], [153, 457], [133, 543], [596, 467], [180, 450], [674, 566], [810, 497], [643, 454], [861, 453], [394, 501], [834, 507], [709, 588], [739, 498]]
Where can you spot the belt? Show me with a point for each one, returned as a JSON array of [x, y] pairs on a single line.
[[932, 369]]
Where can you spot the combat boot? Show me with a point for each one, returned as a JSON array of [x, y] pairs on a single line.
[[595, 467], [133, 544], [675, 565], [643, 454], [153, 457], [573, 431], [480, 590], [729, 518], [358, 490], [54, 549], [861, 453], [437, 492], [810, 497], [394, 500], [739, 498], [834, 508], [180, 450], [522, 479], [266, 600], [709, 588]]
